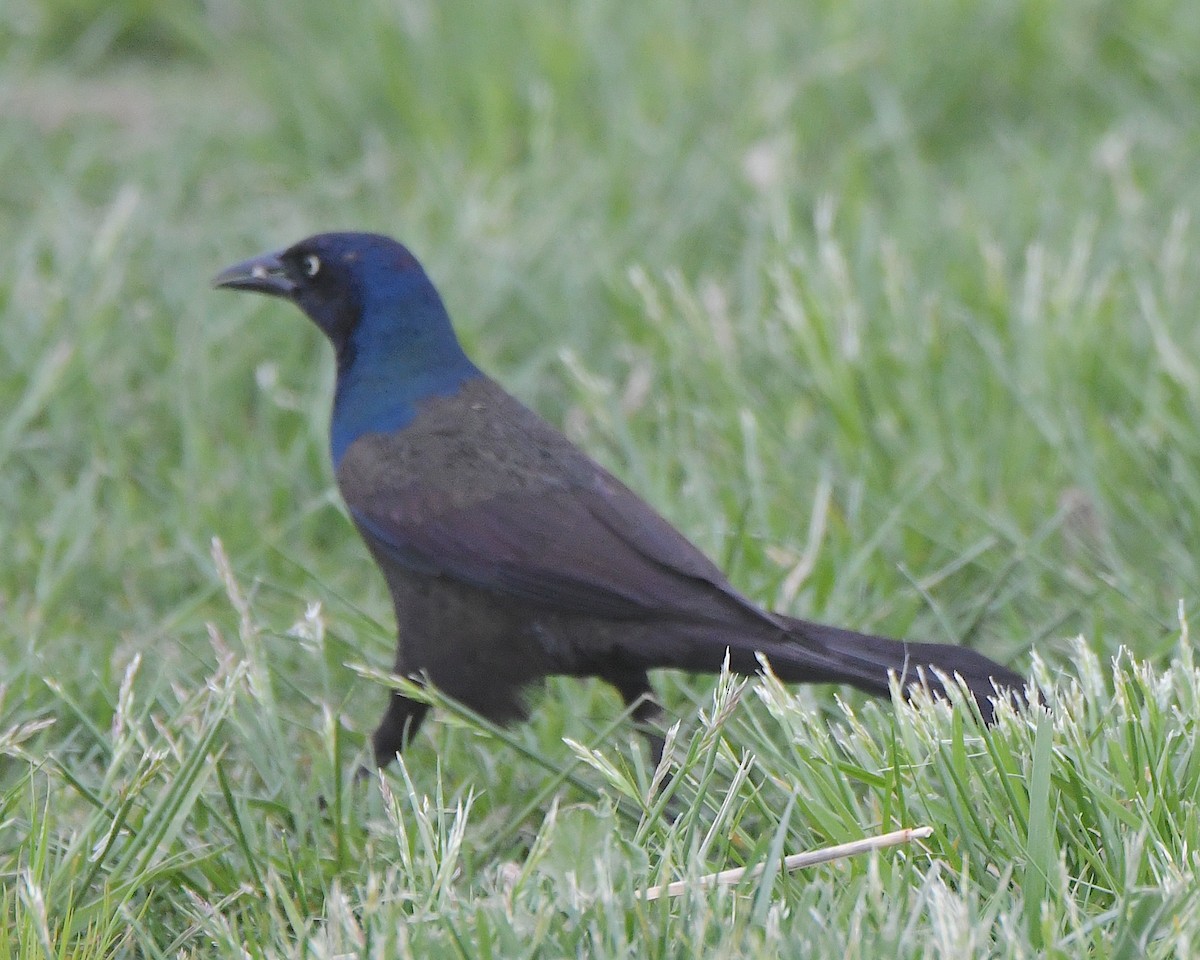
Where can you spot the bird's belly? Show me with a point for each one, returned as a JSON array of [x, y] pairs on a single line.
[[476, 646]]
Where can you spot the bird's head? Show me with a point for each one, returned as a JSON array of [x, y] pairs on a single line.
[[341, 280]]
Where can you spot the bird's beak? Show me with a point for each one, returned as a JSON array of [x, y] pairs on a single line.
[[265, 274]]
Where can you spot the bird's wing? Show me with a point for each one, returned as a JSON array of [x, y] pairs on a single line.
[[597, 551], [480, 489]]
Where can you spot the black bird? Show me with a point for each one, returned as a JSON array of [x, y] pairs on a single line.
[[511, 556]]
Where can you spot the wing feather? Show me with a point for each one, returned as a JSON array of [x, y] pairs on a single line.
[[481, 489], [577, 552]]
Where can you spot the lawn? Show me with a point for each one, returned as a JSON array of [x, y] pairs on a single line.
[[890, 306]]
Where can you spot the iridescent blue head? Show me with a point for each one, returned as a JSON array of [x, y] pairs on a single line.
[[393, 339]]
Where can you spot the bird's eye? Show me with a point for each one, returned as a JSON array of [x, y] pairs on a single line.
[[312, 265]]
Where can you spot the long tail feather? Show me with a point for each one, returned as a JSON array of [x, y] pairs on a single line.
[[865, 661], [802, 651]]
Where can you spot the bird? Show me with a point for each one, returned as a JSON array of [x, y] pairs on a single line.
[[510, 554]]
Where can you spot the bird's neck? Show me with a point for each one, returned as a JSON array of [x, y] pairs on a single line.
[[386, 370]]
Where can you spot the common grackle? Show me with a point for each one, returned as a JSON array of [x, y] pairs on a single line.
[[510, 555]]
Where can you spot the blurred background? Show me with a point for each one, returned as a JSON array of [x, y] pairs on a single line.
[[891, 306]]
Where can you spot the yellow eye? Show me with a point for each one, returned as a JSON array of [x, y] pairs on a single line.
[[312, 265]]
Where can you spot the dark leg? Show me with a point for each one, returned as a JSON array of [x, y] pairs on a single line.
[[399, 725], [636, 691]]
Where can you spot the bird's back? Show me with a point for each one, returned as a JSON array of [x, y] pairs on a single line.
[[473, 446], [480, 489]]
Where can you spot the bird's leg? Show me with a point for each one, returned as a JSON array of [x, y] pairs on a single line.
[[397, 728], [636, 691]]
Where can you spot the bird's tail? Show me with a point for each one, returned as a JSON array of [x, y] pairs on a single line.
[[866, 661]]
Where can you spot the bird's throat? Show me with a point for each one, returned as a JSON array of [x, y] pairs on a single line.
[[382, 391]]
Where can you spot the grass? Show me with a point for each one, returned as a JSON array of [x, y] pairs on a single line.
[[891, 307]]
